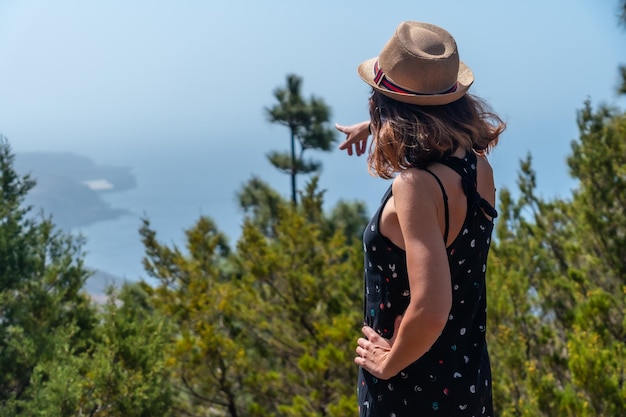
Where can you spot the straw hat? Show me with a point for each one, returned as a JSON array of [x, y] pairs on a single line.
[[419, 65]]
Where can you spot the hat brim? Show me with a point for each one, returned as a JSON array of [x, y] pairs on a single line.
[[465, 79]]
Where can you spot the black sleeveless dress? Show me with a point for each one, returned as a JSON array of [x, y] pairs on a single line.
[[453, 378]]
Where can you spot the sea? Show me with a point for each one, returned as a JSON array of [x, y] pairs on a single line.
[[176, 184], [178, 180]]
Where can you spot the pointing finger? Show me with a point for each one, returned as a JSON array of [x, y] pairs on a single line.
[[340, 128]]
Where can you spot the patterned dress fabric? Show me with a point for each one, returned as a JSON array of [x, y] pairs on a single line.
[[453, 378]]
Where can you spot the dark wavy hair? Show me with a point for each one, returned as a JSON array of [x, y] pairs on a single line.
[[408, 135]]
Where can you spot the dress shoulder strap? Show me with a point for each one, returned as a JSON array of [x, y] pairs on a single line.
[[466, 168], [387, 195]]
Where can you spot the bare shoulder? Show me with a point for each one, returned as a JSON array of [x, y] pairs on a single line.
[[414, 182], [416, 191], [417, 202]]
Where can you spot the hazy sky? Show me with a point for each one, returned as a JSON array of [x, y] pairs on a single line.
[[109, 78]]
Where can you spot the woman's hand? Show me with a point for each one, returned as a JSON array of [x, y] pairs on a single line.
[[356, 135], [373, 351]]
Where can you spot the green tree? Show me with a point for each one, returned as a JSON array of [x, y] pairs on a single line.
[[350, 217], [307, 121], [61, 355], [269, 328], [260, 204], [558, 284], [123, 373], [208, 354], [41, 302], [305, 292]]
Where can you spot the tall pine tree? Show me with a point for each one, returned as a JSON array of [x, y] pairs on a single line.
[[307, 121]]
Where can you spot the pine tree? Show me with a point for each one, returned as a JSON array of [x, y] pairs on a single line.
[[307, 121], [122, 373], [41, 297], [305, 291], [61, 355], [557, 276], [267, 329], [208, 357]]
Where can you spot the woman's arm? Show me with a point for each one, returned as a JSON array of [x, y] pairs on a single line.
[[356, 135], [416, 197]]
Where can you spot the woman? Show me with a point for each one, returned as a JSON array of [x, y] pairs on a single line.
[[424, 352]]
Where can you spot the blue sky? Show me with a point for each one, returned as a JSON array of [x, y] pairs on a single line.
[[107, 79]]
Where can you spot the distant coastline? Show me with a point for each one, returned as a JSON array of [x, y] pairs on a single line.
[[69, 187]]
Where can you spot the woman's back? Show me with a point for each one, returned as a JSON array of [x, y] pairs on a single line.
[[423, 349], [453, 376]]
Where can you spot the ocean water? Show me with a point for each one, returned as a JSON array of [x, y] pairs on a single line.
[[180, 178], [176, 184]]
